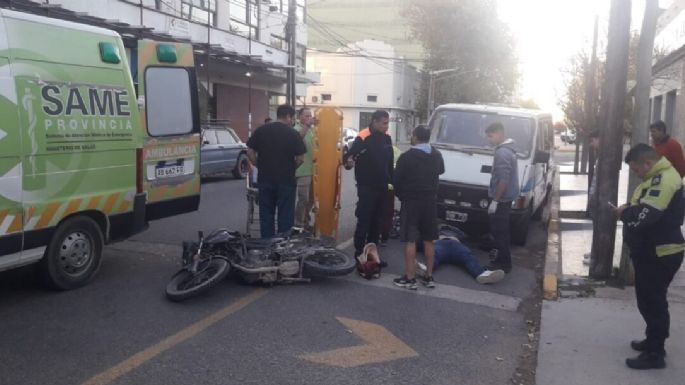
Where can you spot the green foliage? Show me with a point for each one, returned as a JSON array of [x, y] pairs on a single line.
[[467, 35]]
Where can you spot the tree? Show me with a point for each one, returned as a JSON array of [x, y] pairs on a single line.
[[464, 35], [527, 103]]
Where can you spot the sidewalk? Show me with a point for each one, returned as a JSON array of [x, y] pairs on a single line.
[[586, 340]]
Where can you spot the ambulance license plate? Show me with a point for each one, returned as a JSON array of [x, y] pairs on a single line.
[[169, 171], [456, 216]]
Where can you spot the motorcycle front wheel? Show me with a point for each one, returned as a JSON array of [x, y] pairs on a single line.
[[328, 263], [186, 284]]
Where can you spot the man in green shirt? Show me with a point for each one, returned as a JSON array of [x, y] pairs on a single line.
[[305, 193]]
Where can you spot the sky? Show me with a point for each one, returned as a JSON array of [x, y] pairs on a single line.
[[548, 34]]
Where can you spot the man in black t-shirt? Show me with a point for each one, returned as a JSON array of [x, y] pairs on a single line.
[[277, 150]]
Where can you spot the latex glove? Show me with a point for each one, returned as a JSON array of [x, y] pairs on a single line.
[[492, 208]]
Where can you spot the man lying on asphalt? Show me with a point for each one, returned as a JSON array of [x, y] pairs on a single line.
[[450, 250]]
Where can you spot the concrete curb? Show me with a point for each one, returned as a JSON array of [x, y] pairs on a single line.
[[553, 253]]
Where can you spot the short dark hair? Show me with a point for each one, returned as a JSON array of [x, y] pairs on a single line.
[[267, 120], [659, 125], [284, 111], [594, 134], [422, 134], [494, 127], [379, 114], [302, 110], [640, 153]]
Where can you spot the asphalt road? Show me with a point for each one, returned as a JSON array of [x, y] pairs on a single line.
[[121, 330]]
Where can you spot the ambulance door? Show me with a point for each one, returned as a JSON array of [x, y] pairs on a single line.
[[171, 157], [10, 162]]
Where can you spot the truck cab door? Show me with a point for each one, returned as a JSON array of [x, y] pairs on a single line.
[[11, 211]]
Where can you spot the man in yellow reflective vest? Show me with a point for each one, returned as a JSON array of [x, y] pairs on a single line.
[[651, 228]]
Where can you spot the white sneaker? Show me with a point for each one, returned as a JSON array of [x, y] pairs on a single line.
[[586, 259], [421, 269], [490, 276]]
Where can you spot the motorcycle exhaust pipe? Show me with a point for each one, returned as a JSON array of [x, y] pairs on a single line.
[[257, 270]]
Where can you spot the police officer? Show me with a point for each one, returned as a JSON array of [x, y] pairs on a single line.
[[651, 227], [371, 155]]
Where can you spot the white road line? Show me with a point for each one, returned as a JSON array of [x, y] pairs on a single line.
[[451, 292]]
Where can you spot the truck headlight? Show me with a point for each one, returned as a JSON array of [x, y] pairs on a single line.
[[484, 203]]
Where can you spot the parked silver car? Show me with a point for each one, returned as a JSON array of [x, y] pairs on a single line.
[[222, 153]]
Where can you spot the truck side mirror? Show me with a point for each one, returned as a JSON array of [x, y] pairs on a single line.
[[541, 157]]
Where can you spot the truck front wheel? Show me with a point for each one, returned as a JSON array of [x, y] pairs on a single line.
[[73, 255]]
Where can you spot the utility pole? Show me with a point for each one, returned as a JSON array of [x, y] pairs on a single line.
[[611, 137], [645, 48], [590, 107], [590, 103], [291, 35]]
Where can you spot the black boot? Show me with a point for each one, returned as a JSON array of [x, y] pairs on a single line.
[[642, 345], [647, 360], [639, 345]]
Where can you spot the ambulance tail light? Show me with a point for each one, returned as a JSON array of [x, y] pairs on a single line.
[[139, 170]]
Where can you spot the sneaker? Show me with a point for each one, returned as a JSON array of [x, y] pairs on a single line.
[[421, 269], [490, 276], [497, 266], [586, 259], [428, 282], [405, 282]]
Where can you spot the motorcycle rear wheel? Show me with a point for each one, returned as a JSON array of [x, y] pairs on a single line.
[[186, 284], [328, 263]]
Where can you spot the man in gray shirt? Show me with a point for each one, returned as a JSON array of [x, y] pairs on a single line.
[[504, 188]]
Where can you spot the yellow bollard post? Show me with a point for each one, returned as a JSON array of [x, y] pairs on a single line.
[[327, 170]]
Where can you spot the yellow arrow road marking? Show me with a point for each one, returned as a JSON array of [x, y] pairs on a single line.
[[381, 346], [153, 351]]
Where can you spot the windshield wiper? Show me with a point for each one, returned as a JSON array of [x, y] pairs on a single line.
[[456, 147]]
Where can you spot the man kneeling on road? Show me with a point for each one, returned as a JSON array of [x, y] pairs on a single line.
[[450, 250], [651, 228]]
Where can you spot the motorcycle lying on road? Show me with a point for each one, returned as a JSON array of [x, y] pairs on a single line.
[[292, 257]]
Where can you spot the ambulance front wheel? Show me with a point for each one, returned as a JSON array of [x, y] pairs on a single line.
[[73, 255]]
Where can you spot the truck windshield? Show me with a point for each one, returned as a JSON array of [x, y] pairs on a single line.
[[466, 129]]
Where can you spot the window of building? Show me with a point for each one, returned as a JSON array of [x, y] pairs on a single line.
[[364, 119], [202, 11], [244, 17], [165, 87], [300, 11], [279, 42], [656, 113], [669, 115], [371, 98], [326, 97]]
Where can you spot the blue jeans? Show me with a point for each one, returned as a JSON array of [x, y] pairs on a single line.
[[455, 253], [274, 197]]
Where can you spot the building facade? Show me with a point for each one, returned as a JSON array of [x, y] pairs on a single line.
[[241, 51], [666, 95], [333, 24], [360, 84]]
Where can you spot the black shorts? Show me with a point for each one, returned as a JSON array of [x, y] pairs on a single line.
[[418, 221]]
